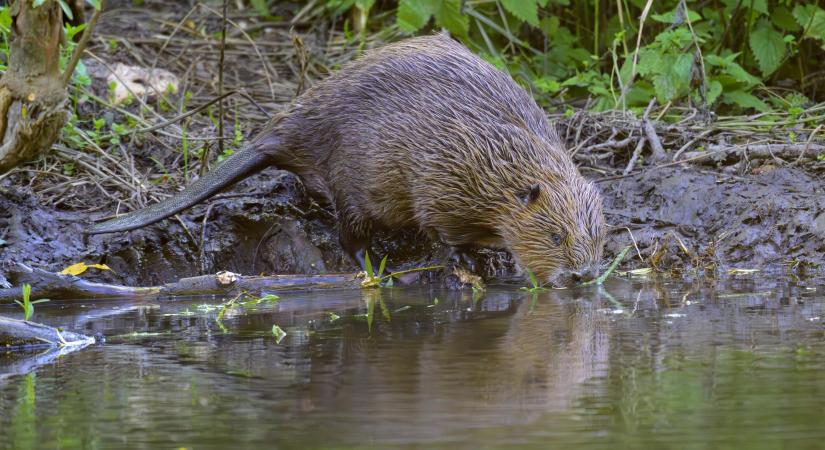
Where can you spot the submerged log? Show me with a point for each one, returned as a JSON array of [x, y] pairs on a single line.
[[55, 286], [27, 333], [24, 336]]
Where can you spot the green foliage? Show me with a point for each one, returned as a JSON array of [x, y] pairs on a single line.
[[535, 286], [279, 333], [415, 14], [722, 55], [27, 304], [525, 10], [768, 46]]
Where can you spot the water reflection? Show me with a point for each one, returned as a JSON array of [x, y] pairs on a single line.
[[635, 364]]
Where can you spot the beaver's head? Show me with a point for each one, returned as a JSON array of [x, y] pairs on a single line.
[[557, 228]]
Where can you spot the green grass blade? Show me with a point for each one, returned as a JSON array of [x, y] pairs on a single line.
[[368, 264], [533, 278], [382, 266], [619, 258]]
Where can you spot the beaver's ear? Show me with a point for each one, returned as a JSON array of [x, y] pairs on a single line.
[[528, 195]]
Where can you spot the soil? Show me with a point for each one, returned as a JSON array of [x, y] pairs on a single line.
[[771, 220], [682, 218]]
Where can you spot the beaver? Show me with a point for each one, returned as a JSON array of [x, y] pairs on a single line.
[[423, 133]]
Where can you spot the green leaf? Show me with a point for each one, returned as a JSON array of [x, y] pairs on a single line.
[[675, 81], [783, 18], [745, 100], [670, 17], [533, 280], [547, 85], [448, 15], [549, 25], [713, 91], [760, 6], [5, 20], [338, 7], [526, 10], [812, 19], [95, 4], [72, 31], [66, 10], [382, 266], [664, 87], [768, 47], [279, 333], [37, 3], [675, 39], [268, 298], [260, 7], [650, 62], [368, 264], [414, 14], [729, 67]]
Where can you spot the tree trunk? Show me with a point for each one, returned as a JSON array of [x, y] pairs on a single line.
[[33, 99]]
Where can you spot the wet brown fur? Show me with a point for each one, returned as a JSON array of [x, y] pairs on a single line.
[[423, 133]]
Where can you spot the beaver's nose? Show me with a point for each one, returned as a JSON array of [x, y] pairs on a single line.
[[584, 274]]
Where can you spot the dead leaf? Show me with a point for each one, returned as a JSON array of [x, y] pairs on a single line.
[[77, 269]]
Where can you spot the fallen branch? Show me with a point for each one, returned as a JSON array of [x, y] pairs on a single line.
[[27, 334], [51, 285], [652, 137], [719, 152]]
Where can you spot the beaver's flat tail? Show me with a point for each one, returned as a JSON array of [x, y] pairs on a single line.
[[233, 169]]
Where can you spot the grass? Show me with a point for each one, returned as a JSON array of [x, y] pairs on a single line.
[[373, 279], [243, 299], [535, 287], [534, 282], [27, 304], [618, 259]]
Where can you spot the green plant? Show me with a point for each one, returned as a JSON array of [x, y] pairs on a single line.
[[27, 304], [244, 299], [615, 263], [279, 333], [534, 287], [374, 279], [720, 55]]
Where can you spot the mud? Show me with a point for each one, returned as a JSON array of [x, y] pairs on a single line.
[[265, 225], [682, 219], [772, 220]]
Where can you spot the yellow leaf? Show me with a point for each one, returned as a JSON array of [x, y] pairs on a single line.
[[77, 269]]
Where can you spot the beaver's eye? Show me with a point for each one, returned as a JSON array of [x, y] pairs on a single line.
[[556, 239]]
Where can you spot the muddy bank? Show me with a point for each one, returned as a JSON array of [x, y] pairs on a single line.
[[265, 225], [682, 218], [773, 219]]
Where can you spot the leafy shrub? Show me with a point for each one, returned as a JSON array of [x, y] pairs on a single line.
[[721, 55]]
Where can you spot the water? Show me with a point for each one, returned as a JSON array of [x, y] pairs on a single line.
[[661, 364]]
